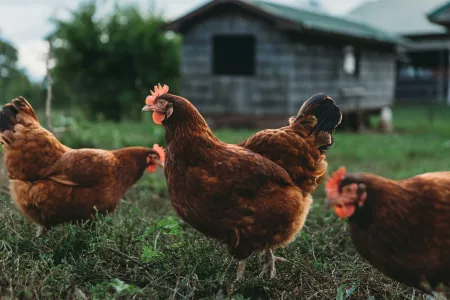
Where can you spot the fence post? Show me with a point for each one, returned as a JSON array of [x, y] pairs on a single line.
[[48, 101], [430, 107]]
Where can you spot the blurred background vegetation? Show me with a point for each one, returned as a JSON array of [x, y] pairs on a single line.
[[13, 80], [101, 67]]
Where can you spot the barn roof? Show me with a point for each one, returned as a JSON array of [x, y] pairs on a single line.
[[441, 15], [402, 17], [292, 19]]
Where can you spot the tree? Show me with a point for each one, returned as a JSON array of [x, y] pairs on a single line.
[[13, 81], [107, 66]]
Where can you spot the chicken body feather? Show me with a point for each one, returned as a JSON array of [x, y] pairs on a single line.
[[52, 183], [231, 193], [300, 147], [402, 227], [236, 196]]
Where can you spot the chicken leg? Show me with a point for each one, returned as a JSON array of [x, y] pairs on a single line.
[[41, 230], [239, 276], [269, 264], [241, 270]]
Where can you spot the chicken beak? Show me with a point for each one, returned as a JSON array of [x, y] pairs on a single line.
[[341, 209], [148, 108], [344, 212], [160, 163]]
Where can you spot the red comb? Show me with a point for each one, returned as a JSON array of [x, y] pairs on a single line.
[[161, 152], [332, 185], [158, 91]]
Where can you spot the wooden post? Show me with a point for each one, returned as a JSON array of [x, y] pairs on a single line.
[[48, 101], [386, 119], [430, 107]]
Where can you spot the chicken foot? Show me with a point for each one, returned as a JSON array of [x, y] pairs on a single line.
[[241, 270], [269, 264], [239, 276], [41, 230]]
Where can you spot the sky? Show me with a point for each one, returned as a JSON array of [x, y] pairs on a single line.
[[26, 22]]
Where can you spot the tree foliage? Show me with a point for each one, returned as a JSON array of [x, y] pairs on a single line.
[[13, 80], [106, 66]]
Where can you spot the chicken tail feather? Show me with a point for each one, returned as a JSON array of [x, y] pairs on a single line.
[[7, 117], [8, 114], [320, 116]]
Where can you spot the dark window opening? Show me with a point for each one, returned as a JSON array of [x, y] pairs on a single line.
[[234, 55]]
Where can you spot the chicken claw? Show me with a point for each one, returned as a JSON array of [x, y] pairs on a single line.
[[41, 230], [269, 264], [241, 270], [239, 276]]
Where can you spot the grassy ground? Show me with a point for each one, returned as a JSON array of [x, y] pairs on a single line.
[[144, 251]]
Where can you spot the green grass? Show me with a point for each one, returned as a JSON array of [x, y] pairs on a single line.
[[144, 251]]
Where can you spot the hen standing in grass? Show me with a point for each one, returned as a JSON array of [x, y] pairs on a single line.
[[402, 227], [52, 183], [226, 191]]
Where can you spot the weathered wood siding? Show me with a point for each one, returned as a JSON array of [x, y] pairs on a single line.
[[377, 78], [287, 72], [319, 69], [266, 93]]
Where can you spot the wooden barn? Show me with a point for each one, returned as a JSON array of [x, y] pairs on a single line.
[[441, 16], [422, 73], [244, 60]]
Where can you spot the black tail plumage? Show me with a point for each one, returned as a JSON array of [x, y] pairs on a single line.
[[10, 110], [8, 117], [327, 117]]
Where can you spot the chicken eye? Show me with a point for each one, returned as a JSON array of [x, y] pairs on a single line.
[[160, 101], [348, 189]]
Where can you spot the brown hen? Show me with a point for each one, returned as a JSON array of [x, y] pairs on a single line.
[[402, 227], [226, 191], [52, 183]]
